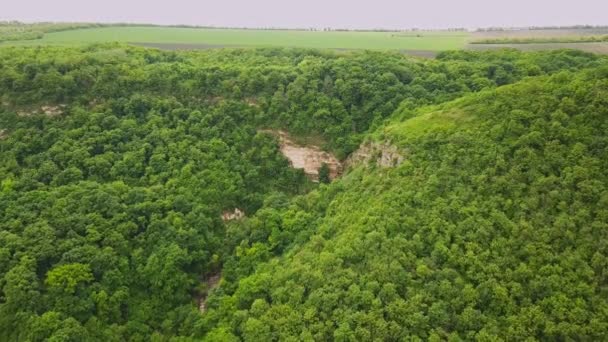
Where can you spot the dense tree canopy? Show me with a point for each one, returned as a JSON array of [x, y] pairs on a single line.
[[494, 228], [117, 163]]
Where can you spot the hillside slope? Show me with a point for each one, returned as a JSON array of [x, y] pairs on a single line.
[[493, 228]]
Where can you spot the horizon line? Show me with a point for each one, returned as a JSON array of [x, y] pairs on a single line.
[[312, 28]]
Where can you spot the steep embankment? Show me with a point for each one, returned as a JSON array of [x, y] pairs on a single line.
[[493, 227]]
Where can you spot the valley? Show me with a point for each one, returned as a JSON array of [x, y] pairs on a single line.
[[298, 194]]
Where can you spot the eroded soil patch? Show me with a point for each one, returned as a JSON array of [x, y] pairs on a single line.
[[383, 154], [50, 111], [212, 282], [310, 158], [231, 215]]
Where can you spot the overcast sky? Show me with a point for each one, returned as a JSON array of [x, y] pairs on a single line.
[[391, 14]]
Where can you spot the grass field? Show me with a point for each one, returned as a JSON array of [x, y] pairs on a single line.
[[420, 41]]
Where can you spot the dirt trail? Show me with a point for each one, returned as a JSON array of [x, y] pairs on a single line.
[[213, 281], [309, 158]]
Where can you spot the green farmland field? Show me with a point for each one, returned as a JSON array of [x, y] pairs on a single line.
[[424, 41], [417, 43]]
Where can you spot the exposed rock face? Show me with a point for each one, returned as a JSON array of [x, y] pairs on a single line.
[[235, 214], [310, 158], [3, 134], [50, 111], [384, 154]]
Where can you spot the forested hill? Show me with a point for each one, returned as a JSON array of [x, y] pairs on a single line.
[[494, 228], [116, 164]]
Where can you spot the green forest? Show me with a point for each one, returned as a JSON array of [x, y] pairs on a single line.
[[118, 165]]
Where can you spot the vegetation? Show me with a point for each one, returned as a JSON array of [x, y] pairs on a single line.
[[111, 208], [324, 173], [493, 229], [174, 36], [13, 31]]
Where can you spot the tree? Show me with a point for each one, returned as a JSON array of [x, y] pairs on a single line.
[[69, 276], [324, 173]]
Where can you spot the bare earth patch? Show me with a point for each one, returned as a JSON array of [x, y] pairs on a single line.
[[420, 53], [50, 111], [252, 102], [212, 282], [310, 158], [231, 215], [3, 134]]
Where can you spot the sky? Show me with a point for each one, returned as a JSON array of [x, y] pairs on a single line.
[[351, 14]]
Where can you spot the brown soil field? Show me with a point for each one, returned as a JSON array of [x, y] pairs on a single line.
[[420, 53], [546, 33], [179, 46], [600, 48]]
